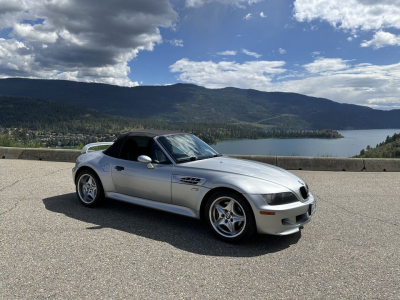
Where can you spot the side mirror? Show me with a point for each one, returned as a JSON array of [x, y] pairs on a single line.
[[144, 159]]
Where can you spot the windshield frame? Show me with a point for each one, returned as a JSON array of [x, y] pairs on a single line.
[[177, 161]]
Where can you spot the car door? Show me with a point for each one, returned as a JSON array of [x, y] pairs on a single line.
[[135, 179]]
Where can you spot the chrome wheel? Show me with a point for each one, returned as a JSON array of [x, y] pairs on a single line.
[[87, 188], [227, 217]]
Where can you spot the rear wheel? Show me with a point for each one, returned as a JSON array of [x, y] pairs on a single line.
[[89, 189], [230, 217]]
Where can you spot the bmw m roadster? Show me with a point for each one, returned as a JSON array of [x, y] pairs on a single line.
[[179, 173]]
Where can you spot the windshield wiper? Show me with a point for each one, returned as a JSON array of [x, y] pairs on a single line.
[[193, 158]]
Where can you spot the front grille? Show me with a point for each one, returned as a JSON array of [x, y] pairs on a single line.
[[303, 192]]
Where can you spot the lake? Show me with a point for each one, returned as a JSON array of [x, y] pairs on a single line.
[[350, 145]]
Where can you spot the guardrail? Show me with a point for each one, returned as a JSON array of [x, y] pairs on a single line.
[[285, 162]]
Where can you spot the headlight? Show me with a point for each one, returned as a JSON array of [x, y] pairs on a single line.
[[280, 198]]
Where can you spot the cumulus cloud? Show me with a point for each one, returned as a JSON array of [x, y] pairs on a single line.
[[326, 65], [382, 39], [253, 74], [250, 53], [350, 14], [35, 33], [16, 61], [77, 40], [176, 43], [282, 51], [227, 52], [237, 3], [262, 15], [13, 12], [364, 84]]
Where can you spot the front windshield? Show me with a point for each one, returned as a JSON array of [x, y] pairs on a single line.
[[187, 147]]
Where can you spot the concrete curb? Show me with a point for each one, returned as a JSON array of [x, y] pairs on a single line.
[[285, 162]]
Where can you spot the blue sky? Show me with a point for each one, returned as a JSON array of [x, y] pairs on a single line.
[[347, 51], [215, 27]]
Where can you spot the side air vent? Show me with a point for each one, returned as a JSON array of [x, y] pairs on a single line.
[[303, 192], [188, 180]]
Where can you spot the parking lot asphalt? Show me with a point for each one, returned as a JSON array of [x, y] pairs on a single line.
[[53, 247]]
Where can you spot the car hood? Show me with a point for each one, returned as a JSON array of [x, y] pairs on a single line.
[[247, 168]]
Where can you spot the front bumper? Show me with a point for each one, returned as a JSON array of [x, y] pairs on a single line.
[[281, 219], [74, 173]]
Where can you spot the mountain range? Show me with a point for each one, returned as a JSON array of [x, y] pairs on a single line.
[[187, 103]]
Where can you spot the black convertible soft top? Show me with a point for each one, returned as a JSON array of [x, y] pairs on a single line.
[[114, 149]]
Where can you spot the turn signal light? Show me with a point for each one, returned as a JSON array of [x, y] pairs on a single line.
[[269, 213]]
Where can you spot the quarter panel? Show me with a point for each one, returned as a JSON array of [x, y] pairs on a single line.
[[101, 164]]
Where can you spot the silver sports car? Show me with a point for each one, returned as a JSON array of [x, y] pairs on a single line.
[[179, 173]]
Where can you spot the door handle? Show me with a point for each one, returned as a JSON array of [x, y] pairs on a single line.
[[119, 168]]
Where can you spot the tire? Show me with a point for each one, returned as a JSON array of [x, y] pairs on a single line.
[[230, 217], [89, 189]]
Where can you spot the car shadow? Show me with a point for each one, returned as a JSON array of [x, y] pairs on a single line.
[[184, 233]]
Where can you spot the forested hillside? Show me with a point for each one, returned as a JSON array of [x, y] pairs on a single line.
[[51, 121], [186, 103], [390, 148]]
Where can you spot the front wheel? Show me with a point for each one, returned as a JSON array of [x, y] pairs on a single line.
[[89, 189], [230, 217]]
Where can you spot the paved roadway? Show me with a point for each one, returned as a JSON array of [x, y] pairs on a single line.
[[52, 247]]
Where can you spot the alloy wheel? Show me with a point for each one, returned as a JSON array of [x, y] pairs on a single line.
[[227, 217]]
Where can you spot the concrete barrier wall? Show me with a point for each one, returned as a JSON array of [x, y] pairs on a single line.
[[328, 163], [39, 154], [285, 162]]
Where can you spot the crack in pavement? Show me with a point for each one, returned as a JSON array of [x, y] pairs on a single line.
[[12, 208], [30, 192], [14, 183]]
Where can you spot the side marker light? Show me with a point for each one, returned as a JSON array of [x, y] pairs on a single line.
[[269, 213]]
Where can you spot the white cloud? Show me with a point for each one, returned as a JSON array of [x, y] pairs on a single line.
[[67, 38], [262, 15], [249, 53], [247, 17], [382, 39], [176, 43], [237, 3], [35, 33], [349, 38], [350, 14], [12, 12], [254, 74], [335, 79], [227, 52], [316, 53], [326, 65], [282, 51]]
